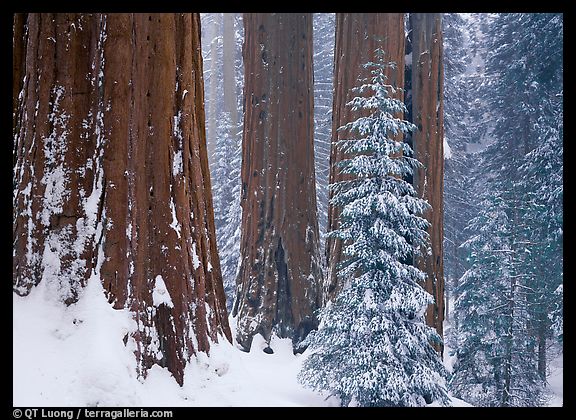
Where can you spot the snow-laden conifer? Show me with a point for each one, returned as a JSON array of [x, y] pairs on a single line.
[[372, 347], [226, 181]]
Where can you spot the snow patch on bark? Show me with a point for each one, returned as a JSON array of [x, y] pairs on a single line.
[[160, 294], [177, 163], [408, 59], [195, 259], [447, 150], [174, 224], [55, 193]]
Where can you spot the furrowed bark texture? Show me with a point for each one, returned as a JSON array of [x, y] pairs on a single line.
[[428, 145], [18, 67], [358, 35], [278, 286], [55, 153], [113, 181]]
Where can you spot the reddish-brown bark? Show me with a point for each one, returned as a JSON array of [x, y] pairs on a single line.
[[52, 147], [358, 35], [121, 116], [278, 287], [428, 115], [18, 65]]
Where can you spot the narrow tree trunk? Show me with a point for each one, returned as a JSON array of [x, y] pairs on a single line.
[[509, 346], [428, 145], [213, 85], [543, 323], [542, 342], [114, 182], [228, 70], [357, 37], [447, 303], [279, 278]]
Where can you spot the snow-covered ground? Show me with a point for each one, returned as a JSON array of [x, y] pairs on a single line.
[[556, 381], [75, 356], [555, 386]]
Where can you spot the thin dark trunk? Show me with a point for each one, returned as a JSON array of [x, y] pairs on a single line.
[[508, 347], [228, 71], [542, 343]]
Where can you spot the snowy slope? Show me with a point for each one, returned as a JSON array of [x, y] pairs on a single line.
[[555, 375], [71, 356], [556, 381], [75, 356]]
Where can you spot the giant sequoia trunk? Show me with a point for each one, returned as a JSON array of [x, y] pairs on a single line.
[[358, 35], [111, 179], [18, 68], [428, 115], [279, 277]]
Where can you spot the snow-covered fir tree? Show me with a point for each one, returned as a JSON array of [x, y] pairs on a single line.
[[556, 316], [541, 177], [220, 169], [542, 185], [458, 91], [226, 184], [478, 122], [510, 298], [372, 347], [495, 364]]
